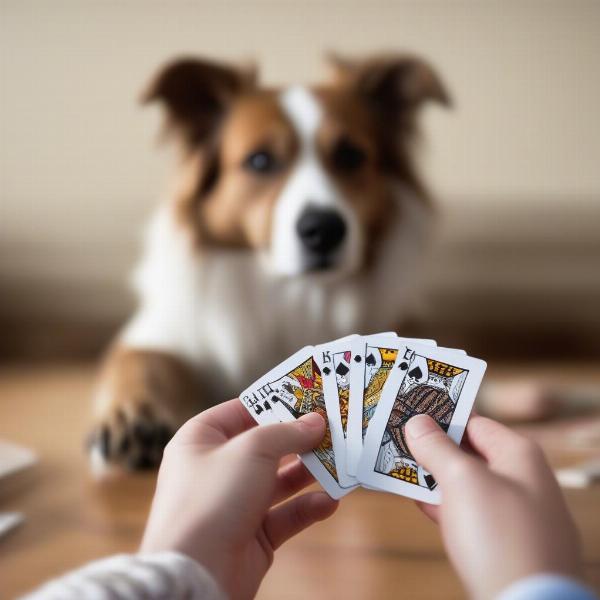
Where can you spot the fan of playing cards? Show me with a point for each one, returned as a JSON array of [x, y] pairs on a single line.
[[367, 388]]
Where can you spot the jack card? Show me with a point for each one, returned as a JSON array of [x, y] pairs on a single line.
[[373, 357], [287, 392], [439, 382]]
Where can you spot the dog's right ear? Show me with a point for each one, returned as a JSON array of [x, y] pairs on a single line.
[[196, 95]]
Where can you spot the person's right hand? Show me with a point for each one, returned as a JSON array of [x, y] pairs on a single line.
[[502, 515]]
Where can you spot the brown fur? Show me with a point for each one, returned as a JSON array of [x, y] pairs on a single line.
[[220, 117], [144, 397], [373, 103], [237, 210]]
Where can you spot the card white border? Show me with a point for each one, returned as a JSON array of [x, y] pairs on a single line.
[[332, 402], [354, 439], [366, 469], [311, 462]]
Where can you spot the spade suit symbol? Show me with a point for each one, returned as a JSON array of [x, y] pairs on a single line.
[[258, 409], [342, 369], [326, 370], [415, 373], [370, 360], [430, 482]]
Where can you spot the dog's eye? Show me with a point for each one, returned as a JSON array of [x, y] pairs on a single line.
[[347, 156], [261, 162]]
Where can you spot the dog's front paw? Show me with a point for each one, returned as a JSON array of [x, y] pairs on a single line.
[[143, 398], [132, 437]]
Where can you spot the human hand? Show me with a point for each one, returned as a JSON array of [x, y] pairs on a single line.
[[218, 491], [502, 515]]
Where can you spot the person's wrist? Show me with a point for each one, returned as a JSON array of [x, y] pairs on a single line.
[[198, 545], [213, 561], [193, 573]]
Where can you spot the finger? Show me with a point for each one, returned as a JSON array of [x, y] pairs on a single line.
[[295, 515], [272, 442], [432, 448], [287, 459], [465, 446], [507, 452], [490, 439], [231, 418], [430, 510], [291, 478], [216, 425]]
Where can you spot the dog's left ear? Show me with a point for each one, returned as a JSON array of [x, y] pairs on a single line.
[[393, 88], [397, 85]]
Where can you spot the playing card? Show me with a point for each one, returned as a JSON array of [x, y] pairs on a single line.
[[287, 392], [373, 357], [334, 360], [439, 382]]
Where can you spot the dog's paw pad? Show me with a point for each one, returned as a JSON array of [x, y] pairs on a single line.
[[132, 441]]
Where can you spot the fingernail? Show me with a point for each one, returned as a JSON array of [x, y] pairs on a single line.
[[420, 425], [312, 419]]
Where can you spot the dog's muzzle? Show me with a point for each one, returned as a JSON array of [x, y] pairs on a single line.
[[321, 232]]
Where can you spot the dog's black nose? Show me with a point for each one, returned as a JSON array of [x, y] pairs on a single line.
[[321, 230]]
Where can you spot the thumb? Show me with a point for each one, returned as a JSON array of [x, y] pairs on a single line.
[[279, 439], [433, 449]]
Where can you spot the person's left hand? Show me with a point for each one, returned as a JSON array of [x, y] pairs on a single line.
[[218, 491]]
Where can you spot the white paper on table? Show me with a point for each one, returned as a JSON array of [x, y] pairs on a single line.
[[14, 458]]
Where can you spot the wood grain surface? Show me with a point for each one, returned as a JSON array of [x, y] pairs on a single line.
[[376, 546]]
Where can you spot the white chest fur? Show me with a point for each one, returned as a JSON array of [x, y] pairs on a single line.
[[225, 314]]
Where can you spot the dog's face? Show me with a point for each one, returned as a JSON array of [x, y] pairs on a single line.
[[300, 174]]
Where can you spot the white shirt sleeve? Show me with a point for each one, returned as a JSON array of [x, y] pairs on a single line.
[[134, 577], [547, 587]]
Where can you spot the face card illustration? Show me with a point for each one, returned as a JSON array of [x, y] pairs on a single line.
[[334, 360], [287, 392], [425, 380], [373, 358]]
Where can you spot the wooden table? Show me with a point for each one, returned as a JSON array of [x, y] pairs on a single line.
[[376, 546]]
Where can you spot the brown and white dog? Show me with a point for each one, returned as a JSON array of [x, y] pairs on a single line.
[[297, 217]]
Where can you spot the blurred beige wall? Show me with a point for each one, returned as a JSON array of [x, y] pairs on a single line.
[[518, 158]]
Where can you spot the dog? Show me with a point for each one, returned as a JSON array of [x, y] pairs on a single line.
[[296, 216]]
